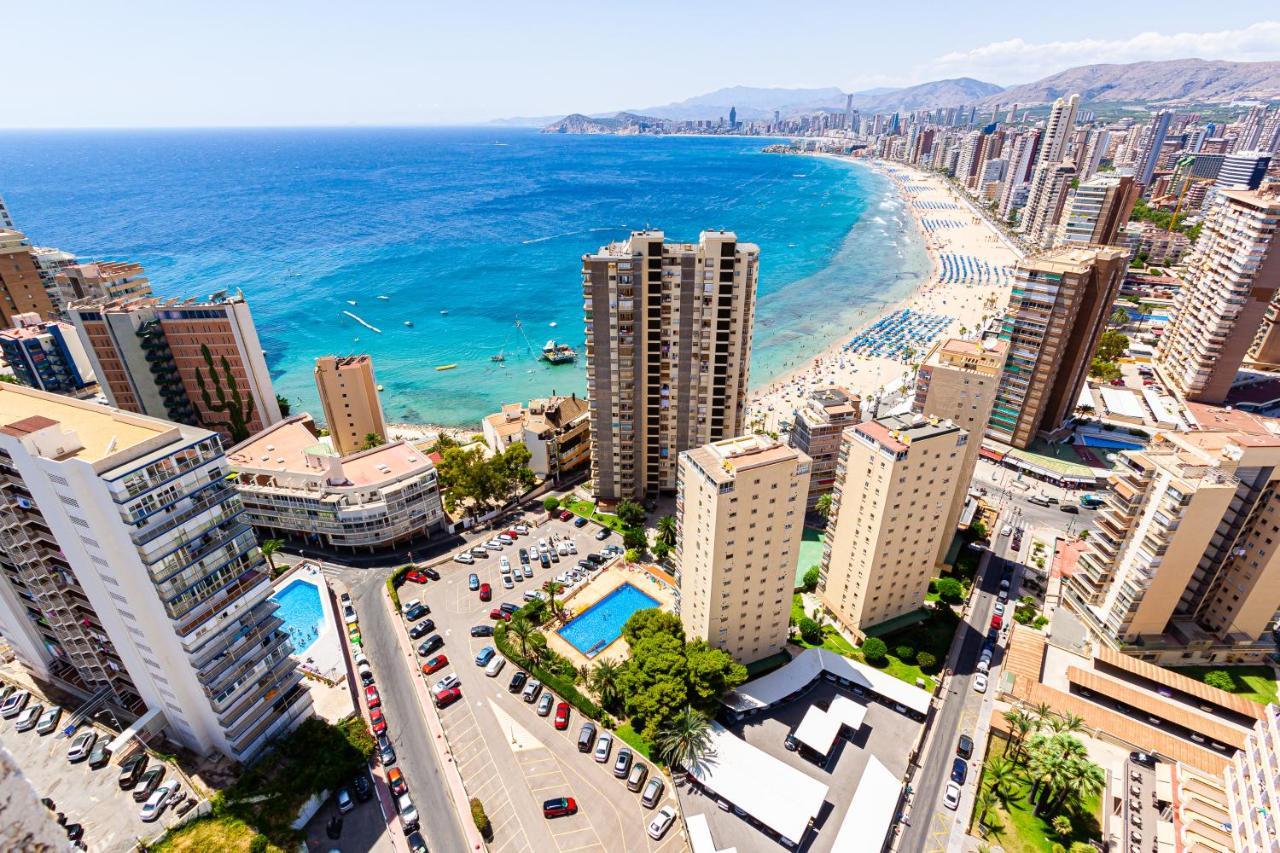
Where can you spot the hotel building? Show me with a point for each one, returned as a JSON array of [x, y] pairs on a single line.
[[349, 397], [1058, 309], [896, 478], [293, 484], [22, 289], [740, 516], [668, 329], [107, 280], [957, 382], [1045, 199], [555, 430], [1182, 564], [129, 574], [191, 362], [1233, 275], [1098, 210], [46, 355], [816, 432]]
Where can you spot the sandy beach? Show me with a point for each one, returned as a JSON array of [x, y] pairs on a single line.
[[967, 288]]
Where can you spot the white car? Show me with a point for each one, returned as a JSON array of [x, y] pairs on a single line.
[[507, 583], [505, 564], [445, 683], [603, 747], [464, 557], [980, 683], [155, 804], [493, 545], [1006, 530], [573, 549], [661, 822], [13, 706], [563, 549], [951, 799], [27, 719], [522, 529], [410, 604], [349, 615]]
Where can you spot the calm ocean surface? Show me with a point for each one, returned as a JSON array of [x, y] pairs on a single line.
[[488, 224]]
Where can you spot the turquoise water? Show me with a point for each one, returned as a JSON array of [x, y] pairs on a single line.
[[601, 623], [486, 224], [302, 613]]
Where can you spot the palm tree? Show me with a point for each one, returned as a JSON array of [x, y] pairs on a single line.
[[538, 646], [1043, 713], [552, 588], [269, 547], [604, 682], [1083, 780], [1067, 724], [667, 530], [372, 440], [1020, 725], [523, 629], [823, 506], [684, 740], [983, 804], [1001, 776]]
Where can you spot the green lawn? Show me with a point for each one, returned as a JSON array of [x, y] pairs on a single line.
[[834, 641], [1022, 831], [587, 509], [635, 741], [1257, 683], [212, 833]]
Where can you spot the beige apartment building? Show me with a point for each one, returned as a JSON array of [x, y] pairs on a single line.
[[22, 288], [1183, 564], [895, 482], [668, 328], [1098, 209], [1233, 275], [1059, 307], [349, 397], [555, 430], [957, 382], [740, 516], [816, 432], [102, 280]]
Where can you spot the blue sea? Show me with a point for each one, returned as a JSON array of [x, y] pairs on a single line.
[[488, 225]]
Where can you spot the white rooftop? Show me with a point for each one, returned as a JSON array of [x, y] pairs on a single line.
[[808, 665], [700, 840], [773, 792], [819, 728], [870, 812], [1122, 402]]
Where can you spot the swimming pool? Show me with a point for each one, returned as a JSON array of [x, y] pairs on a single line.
[[601, 623], [302, 613], [1107, 443]]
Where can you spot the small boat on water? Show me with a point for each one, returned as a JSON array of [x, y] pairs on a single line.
[[379, 387], [384, 297], [446, 367], [351, 302], [444, 311], [559, 353], [553, 324], [498, 357], [409, 323]]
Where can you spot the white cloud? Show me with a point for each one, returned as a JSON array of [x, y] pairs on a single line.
[[1019, 61]]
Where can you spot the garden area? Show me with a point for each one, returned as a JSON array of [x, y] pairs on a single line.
[[1039, 792], [1256, 683], [255, 813]]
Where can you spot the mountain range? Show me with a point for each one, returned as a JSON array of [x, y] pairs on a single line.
[[1173, 81]]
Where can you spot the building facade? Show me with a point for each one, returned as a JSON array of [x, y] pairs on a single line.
[[349, 397], [295, 485], [48, 356], [896, 478], [816, 432], [1253, 794], [22, 289], [129, 572], [1045, 199], [740, 516], [192, 362], [555, 430], [107, 280], [1059, 307], [1099, 208], [1232, 276], [668, 328]]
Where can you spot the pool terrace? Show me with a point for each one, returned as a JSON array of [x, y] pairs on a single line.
[[653, 583]]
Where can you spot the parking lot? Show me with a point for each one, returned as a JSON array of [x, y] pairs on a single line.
[[86, 796], [511, 758], [885, 733]]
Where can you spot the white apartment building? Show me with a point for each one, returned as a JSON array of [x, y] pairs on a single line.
[[294, 484], [1253, 788], [740, 517], [128, 572]]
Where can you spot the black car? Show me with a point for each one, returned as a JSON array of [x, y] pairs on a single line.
[[101, 755], [386, 752], [416, 842], [430, 644], [586, 565], [596, 559], [422, 629], [959, 771], [603, 534], [517, 682], [131, 770], [964, 748], [524, 556], [508, 607], [1070, 508], [580, 521], [482, 631], [431, 573], [544, 560], [555, 558], [416, 612], [362, 787]]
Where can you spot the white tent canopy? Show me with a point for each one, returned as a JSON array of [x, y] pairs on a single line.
[[811, 663], [870, 812], [819, 729]]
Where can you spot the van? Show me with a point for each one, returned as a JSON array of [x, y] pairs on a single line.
[[531, 691], [495, 666], [587, 737]]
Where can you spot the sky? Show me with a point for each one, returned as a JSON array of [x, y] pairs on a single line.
[[192, 63]]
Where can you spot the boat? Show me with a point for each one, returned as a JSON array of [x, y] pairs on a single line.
[[498, 357], [351, 302], [379, 387], [384, 297], [552, 324], [559, 353], [409, 323], [443, 311], [446, 367]]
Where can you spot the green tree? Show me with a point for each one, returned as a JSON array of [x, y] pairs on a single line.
[[522, 629], [874, 650], [238, 410], [1111, 345], [551, 503], [711, 672], [978, 529], [1062, 826], [1067, 723], [811, 577], [630, 513], [667, 530], [603, 681], [810, 631], [632, 555], [652, 622], [269, 547], [1119, 317], [633, 537], [1106, 371], [284, 404], [904, 653], [684, 740], [654, 682], [1220, 679], [551, 588], [1021, 724], [481, 819], [950, 590], [927, 661], [823, 506], [661, 550]]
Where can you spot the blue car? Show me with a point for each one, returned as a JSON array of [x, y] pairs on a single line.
[[486, 655], [473, 581], [959, 770]]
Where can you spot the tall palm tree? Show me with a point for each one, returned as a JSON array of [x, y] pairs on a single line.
[[1043, 712], [522, 629], [667, 530], [1021, 725], [1084, 782], [685, 740], [983, 804], [1067, 724], [538, 646], [269, 547], [604, 682], [1001, 776], [823, 506], [552, 588]]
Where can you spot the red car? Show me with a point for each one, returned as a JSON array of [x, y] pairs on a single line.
[[416, 577], [997, 621], [448, 696], [559, 807], [395, 780], [486, 592], [511, 533], [499, 613], [565, 515], [379, 721], [562, 716], [435, 664], [371, 696]]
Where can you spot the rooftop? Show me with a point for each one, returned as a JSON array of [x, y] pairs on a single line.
[[898, 432], [291, 447], [1075, 261], [722, 460], [100, 431]]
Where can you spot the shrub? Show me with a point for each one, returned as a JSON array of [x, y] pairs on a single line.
[[950, 590], [551, 504], [811, 631], [630, 513], [258, 844], [561, 685], [874, 650], [481, 819], [904, 653], [926, 661], [1220, 679], [811, 578], [634, 538], [395, 582]]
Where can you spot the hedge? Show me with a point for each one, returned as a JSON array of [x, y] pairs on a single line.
[[395, 582], [481, 819], [562, 687]]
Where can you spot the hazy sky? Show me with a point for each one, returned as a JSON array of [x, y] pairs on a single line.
[[148, 63]]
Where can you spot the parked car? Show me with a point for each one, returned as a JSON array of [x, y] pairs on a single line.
[[465, 557], [580, 521], [497, 613], [522, 529], [395, 781], [430, 644], [562, 716], [82, 746], [131, 770], [413, 614], [507, 582], [636, 778], [378, 721], [148, 782], [603, 747], [951, 799], [622, 764], [155, 804], [362, 787], [959, 770], [479, 552], [386, 752], [1070, 508], [372, 697], [486, 592], [422, 629], [602, 534], [408, 814], [486, 654], [495, 666], [980, 683], [473, 581], [445, 698], [417, 844], [565, 515], [431, 573], [544, 704], [652, 793], [349, 615], [14, 704], [49, 720], [435, 664], [997, 621], [343, 800], [964, 747], [416, 576], [531, 691], [661, 822], [493, 545], [28, 718], [101, 754], [517, 681], [559, 807], [586, 737]]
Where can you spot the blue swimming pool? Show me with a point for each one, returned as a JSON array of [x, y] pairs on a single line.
[[601, 623], [1108, 443], [302, 613]]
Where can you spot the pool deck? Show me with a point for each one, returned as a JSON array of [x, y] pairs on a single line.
[[323, 657], [654, 583]]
